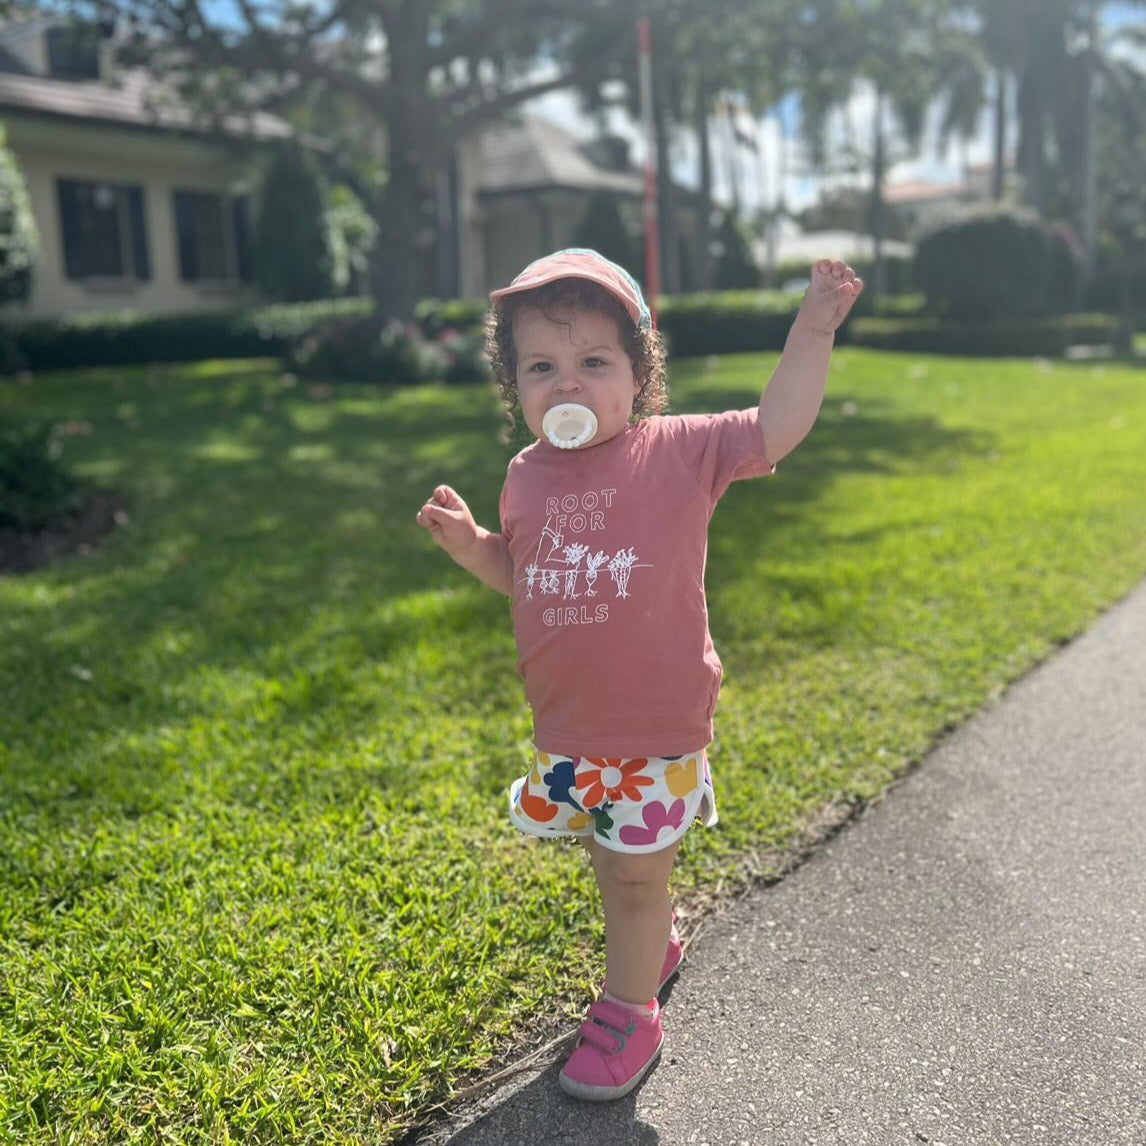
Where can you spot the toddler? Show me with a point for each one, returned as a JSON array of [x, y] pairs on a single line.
[[604, 524]]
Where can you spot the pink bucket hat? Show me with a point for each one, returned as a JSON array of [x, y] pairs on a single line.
[[582, 263]]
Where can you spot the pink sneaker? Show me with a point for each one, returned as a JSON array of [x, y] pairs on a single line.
[[674, 956], [617, 1048]]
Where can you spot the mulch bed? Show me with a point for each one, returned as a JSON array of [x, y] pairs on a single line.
[[78, 533]]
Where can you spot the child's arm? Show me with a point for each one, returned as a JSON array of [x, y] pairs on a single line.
[[792, 398], [451, 525]]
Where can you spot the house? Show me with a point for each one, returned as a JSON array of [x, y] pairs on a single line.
[[524, 186], [914, 204], [137, 207]]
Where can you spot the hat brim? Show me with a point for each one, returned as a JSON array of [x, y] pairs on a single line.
[[632, 305]]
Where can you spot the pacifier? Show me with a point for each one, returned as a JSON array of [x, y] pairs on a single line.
[[569, 426]]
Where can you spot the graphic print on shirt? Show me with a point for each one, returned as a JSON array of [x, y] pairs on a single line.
[[567, 566]]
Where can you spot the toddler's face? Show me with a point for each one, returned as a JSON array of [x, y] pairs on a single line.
[[578, 358]]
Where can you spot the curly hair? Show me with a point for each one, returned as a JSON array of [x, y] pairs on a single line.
[[645, 347]]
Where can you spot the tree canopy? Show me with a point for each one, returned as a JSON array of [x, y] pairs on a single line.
[[391, 86], [426, 73]]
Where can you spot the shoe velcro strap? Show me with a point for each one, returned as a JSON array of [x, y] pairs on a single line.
[[608, 1026]]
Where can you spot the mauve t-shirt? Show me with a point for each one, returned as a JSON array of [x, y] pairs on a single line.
[[608, 547]]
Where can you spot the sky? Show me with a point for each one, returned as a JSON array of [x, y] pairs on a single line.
[[761, 182]]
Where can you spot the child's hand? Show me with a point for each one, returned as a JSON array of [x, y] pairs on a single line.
[[449, 521], [830, 295]]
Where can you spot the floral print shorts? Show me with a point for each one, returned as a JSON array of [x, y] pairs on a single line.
[[628, 804]]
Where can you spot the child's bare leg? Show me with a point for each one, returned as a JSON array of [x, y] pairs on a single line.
[[638, 917]]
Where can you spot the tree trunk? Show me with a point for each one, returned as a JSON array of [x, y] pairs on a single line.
[[1088, 180], [733, 156], [878, 271], [405, 239], [666, 192], [405, 218], [1032, 141], [704, 145], [998, 174]]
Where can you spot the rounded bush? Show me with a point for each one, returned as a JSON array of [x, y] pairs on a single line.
[[997, 262]]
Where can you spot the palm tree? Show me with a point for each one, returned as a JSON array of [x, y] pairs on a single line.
[[1056, 53], [905, 52], [702, 51]]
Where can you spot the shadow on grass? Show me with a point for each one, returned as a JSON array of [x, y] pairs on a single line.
[[272, 539]]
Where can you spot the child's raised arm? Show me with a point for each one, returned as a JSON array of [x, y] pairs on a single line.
[[792, 398], [452, 526]]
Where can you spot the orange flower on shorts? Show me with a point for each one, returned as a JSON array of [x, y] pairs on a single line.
[[536, 808], [611, 778]]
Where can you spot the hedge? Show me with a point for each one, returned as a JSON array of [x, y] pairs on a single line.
[[1046, 337], [715, 323], [123, 338], [726, 322]]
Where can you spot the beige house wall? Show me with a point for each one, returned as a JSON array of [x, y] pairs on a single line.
[[522, 226], [49, 150]]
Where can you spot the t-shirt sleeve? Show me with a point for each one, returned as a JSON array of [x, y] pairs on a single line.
[[501, 511], [721, 448]]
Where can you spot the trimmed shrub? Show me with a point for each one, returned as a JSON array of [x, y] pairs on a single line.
[[1045, 337], [293, 254], [726, 322], [35, 486], [603, 228], [995, 262], [124, 338]]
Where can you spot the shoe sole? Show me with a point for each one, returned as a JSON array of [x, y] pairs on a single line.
[[589, 1093]]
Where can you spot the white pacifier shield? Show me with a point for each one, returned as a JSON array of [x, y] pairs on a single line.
[[569, 426]]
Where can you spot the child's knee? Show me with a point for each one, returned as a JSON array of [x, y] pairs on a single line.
[[636, 874]]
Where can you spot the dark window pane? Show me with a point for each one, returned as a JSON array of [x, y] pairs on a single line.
[[93, 220], [200, 221], [140, 255], [241, 211], [73, 53]]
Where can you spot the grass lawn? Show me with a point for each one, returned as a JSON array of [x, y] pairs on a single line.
[[256, 879]]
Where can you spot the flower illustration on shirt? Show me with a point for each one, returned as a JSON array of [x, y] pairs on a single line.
[[612, 778], [657, 817]]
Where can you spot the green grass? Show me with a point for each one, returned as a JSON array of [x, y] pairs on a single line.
[[256, 878]]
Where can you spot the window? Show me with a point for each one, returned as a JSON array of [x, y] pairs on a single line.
[[212, 235], [104, 230], [73, 53]]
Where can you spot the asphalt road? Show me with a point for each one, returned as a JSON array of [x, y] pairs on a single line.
[[964, 965]]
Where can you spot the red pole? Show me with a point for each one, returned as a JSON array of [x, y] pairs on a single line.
[[652, 230]]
